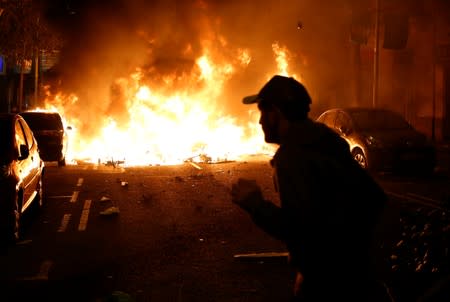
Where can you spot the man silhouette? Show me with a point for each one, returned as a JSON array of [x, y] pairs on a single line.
[[329, 204]]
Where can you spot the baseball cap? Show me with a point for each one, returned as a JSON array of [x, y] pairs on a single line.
[[285, 93]]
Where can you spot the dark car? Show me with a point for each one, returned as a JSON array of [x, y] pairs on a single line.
[[50, 134], [21, 174], [382, 139]]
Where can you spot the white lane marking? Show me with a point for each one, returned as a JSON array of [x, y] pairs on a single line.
[[84, 215], [74, 196], [43, 271], [80, 182], [64, 223]]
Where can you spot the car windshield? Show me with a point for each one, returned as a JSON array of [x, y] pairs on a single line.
[[5, 146], [43, 121], [379, 120]]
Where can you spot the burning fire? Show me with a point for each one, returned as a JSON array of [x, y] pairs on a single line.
[[165, 126], [282, 56]]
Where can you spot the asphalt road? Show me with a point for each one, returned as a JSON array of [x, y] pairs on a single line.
[[172, 234]]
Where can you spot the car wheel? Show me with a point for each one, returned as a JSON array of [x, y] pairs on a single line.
[[62, 162], [360, 158]]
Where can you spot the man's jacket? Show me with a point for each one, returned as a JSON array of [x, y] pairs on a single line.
[[329, 204]]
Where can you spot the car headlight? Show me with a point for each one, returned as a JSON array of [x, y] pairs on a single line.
[[373, 142]]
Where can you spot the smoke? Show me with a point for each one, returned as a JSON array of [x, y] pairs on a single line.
[[107, 40]]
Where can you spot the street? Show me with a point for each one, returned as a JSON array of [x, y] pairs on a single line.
[[169, 233], [151, 110]]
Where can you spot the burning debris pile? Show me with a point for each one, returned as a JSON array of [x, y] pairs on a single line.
[[158, 128], [162, 84], [159, 82]]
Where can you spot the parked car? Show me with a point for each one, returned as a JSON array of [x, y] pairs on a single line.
[[50, 134], [21, 174], [382, 139]]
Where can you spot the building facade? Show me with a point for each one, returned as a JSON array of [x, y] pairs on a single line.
[[413, 63]]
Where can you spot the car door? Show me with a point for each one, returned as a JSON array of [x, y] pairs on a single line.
[[29, 171], [34, 151], [344, 126], [23, 162]]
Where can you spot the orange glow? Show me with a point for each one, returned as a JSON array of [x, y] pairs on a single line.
[[165, 125]]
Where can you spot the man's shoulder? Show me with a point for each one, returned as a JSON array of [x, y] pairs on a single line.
[[293, 154]]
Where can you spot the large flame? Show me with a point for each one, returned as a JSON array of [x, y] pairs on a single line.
[[169, 126], [282, 56]]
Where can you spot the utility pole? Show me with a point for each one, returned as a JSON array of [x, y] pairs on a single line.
[[21, 79], [36, 67], [433, 118], [376, 54]]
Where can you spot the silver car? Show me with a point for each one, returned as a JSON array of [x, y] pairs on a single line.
[[382, 139]]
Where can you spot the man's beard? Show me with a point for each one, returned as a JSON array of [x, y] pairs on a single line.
[[271, 135]]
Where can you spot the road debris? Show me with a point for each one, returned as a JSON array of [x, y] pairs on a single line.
[[118, 296], [146, 198], [263, 257], [424, 242], [200, 158], [23, 242], [114, 163], [111, 211]]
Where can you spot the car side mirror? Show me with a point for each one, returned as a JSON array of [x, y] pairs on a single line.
[[24, 152]]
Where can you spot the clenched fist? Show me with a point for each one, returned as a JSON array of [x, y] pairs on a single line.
[[247, 194]]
